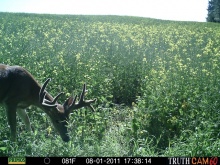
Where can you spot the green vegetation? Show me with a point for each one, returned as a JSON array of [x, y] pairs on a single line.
[[213, 11], [157, 84]]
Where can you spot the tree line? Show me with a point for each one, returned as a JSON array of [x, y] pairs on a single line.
[[213, 11]]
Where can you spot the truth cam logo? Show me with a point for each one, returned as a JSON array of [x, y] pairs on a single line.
[[194, 161]]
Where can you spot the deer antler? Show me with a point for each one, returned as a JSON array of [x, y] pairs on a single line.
[[70, 104], [42, 95]]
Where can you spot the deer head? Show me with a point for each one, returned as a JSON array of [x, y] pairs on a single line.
[[59, 114]]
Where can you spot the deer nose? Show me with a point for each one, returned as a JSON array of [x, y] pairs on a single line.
[[66, 139]]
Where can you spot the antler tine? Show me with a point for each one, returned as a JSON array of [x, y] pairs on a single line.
[[42, 95], [42, 92], [48, 104], [56, 98], [86, 102], [74, 100], [81, 103], [91, 107], [51, 103]]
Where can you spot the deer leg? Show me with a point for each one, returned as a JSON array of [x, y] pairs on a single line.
[[24, 117], [11, 115]]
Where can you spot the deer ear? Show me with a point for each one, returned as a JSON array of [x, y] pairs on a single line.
[[68, 103]]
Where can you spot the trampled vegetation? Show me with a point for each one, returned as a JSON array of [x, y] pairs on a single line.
[[157, 84]]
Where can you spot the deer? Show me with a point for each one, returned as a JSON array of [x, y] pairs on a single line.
[[19, 90]]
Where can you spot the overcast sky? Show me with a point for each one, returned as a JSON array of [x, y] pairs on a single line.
[[182, 10]]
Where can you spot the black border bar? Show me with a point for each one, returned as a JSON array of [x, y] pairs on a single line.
[[116, 160]]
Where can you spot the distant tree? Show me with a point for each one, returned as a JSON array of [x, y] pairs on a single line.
[[217, 10], [210, 9], [213, 11]]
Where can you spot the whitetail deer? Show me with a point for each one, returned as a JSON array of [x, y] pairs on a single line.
[[18, 90]]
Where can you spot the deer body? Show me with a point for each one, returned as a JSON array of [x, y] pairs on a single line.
[[18, 90]]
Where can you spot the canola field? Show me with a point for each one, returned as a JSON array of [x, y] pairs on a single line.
[[157, 84]]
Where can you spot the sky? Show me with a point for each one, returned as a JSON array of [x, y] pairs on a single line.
[[179, 10]]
